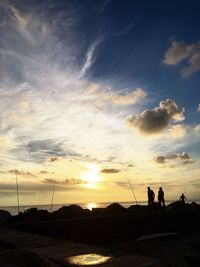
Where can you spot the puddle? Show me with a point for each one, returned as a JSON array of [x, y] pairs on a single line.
[[88, 259]]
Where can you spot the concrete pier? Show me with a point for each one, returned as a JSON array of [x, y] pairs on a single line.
[[24, 249]]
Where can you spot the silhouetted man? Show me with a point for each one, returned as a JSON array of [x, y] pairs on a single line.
[[182, 198], [161, 199], [151, 196]]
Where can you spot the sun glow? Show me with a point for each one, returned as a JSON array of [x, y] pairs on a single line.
[[92, 177], [91, 206]]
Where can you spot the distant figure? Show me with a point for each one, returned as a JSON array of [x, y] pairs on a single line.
[[161, 199], [151, 196], [182, 198]]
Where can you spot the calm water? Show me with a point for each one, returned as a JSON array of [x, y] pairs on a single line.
[[13, 209]]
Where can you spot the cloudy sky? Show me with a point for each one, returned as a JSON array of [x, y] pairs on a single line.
[[93, 93]]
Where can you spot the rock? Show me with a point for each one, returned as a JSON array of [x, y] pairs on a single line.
[[87, 212], [30, 215], [98, 211], [194, 205], [75, 210], [114, 209], [61, 213], [137, 208], [4, 216], [69, 212], [31, 210], [177, 205]]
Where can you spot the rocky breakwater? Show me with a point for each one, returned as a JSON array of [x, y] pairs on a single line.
[[111, 224]]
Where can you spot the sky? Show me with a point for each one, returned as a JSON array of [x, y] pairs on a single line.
[[94, 94]]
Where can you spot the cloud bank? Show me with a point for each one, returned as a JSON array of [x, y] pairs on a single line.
[[183, 157]]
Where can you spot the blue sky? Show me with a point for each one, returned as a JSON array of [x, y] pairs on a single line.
[[104, 84]]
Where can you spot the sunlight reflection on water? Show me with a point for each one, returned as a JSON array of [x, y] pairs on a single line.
[[88, 259], [91, 206]]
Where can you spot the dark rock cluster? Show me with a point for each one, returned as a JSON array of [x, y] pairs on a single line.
[[75, 211], [4, 216]]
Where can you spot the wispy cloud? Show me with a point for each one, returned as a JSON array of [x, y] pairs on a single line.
[[21, 173], [89, 58], [122, 98], [63, 182], [125, 30]]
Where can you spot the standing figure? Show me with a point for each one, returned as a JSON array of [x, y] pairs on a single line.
[[151, 196], [161, 199], [182, 198]]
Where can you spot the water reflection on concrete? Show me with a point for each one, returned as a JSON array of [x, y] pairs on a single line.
[[88, 259]]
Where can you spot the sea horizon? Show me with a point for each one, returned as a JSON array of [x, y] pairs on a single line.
[[90, 205]]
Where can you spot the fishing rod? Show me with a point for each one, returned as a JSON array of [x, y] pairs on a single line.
[[17, 191], [132, 191], [52, 198]]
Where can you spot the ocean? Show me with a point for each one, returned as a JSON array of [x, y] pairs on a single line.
[[14, 211]]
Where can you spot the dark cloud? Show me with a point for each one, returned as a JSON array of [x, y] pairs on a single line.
[[188, 161], [43, 172], [183, 157], [48, 147], [110, 171], [130, 165], [72, 181], [52, 159], [160, 159], [22, 173], [41, 150], [156, 120]]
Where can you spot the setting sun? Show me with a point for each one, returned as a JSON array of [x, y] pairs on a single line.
[[92, 176]]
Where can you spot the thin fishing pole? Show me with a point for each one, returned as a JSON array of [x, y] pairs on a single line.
[[52, 198], [53, 193], [17, 191], [132, 191]]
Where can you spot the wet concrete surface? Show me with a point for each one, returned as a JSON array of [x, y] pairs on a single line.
[[35, 250], [23, 249]]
